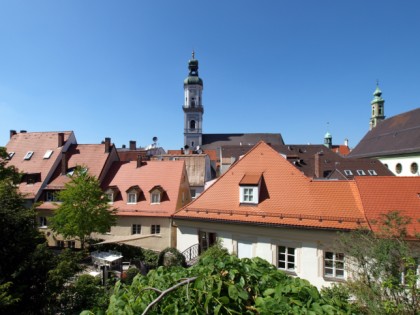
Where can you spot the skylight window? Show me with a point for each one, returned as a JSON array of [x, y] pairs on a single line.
[[348, 172], [361, 172], [48, 154], [372, 172], [28, 155], [10, 155]]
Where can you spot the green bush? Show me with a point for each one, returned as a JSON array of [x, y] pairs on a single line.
[[171, 257]]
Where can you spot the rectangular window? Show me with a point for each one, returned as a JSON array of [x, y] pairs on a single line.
[[372, 172], [28, 155], [51, 196], [48, 154], [132, 198], [334, 265], [110, 197], [10, 155], [193, 193], [361, 172], [71, 244], [155, 197], [155, 229], [42, 222], [348, 172], [136, 229], [60, 244], [248, 194], [286, 258]]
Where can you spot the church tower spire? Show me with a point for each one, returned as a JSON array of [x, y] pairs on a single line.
[[378, 109], [193, 106]]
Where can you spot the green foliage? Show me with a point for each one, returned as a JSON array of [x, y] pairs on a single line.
[[130, 274], [84, 208], [9, 173], [171, 257], [220, 284], [383, 268]]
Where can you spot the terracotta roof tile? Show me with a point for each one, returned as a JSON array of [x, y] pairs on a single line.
[[167, 174], [287, 197], [39, 143], [381, 195]]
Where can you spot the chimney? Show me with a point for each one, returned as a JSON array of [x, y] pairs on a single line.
[[12, 133], [132, 145], [107, 145], [346, 142], [60, 139], [23, 131], [182, 150], [139, 160], [123, 146], [317, 165], [63, 163]]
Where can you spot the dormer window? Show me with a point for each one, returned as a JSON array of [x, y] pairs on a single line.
[[133, 194], [249, 188], [28, 155], [156, 194]]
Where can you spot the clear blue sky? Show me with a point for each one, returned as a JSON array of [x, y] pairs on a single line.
[[116, 68]]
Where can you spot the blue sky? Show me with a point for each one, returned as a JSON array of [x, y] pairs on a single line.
[[116, 68]]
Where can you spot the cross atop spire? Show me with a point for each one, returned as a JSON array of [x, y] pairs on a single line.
[[193, 54]]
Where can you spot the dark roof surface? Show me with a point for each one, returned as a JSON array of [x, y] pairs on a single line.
[[331, 164], [396, 135], [214, 141]]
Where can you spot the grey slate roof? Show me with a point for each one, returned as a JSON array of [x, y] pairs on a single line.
[[399, 134], [214, 141]]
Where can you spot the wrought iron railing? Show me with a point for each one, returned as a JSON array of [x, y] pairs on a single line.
[[191, 252]]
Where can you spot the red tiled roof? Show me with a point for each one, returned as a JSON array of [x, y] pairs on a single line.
[[39, 143], [381, 195], [92, 156], [341, 149], [167, 174], [287, 197]]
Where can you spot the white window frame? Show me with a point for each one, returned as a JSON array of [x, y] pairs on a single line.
[[348, 172], [193, 193], [287, 255], [336, 265], [155, 197], [361, 172], [28, 155], [110, 195], [10, 155], [135, 229], [372, 172], [48, 154], [43, 223], [130, 196], [246, 192], [155, 229]]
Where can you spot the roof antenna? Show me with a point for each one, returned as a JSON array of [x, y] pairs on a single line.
[[193, 54]]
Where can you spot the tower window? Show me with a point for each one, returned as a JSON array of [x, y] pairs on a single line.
[[192, 124], [398, 168], [414, 168]]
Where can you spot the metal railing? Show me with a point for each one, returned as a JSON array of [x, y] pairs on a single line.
[[191, 252]]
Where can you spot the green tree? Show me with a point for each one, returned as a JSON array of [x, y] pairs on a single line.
[[84, 208], [219, 284], [383, 267], [8, 172]]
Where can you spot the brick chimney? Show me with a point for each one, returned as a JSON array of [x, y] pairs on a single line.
[[60, 139], [12, 133], [139, 160], [132, 145], [64, 165], [318, 165], [107, 145]]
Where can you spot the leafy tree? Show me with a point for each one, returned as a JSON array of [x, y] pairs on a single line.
[[383, 267], [84, 208], [219, 284], [8, 172]]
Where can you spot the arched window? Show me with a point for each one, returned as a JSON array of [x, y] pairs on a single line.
[[414, 168], [398, 168], [192, 124]]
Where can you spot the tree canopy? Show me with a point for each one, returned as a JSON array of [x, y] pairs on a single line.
[[220, 284], [84, 208]]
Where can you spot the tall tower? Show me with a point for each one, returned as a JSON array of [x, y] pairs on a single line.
[[193, 106], [378, 109]]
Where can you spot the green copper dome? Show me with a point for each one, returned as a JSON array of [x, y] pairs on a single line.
[[327, 135], [377, 96], [193, 77]]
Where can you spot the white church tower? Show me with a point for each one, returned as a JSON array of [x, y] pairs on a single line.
[[193, 106]]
